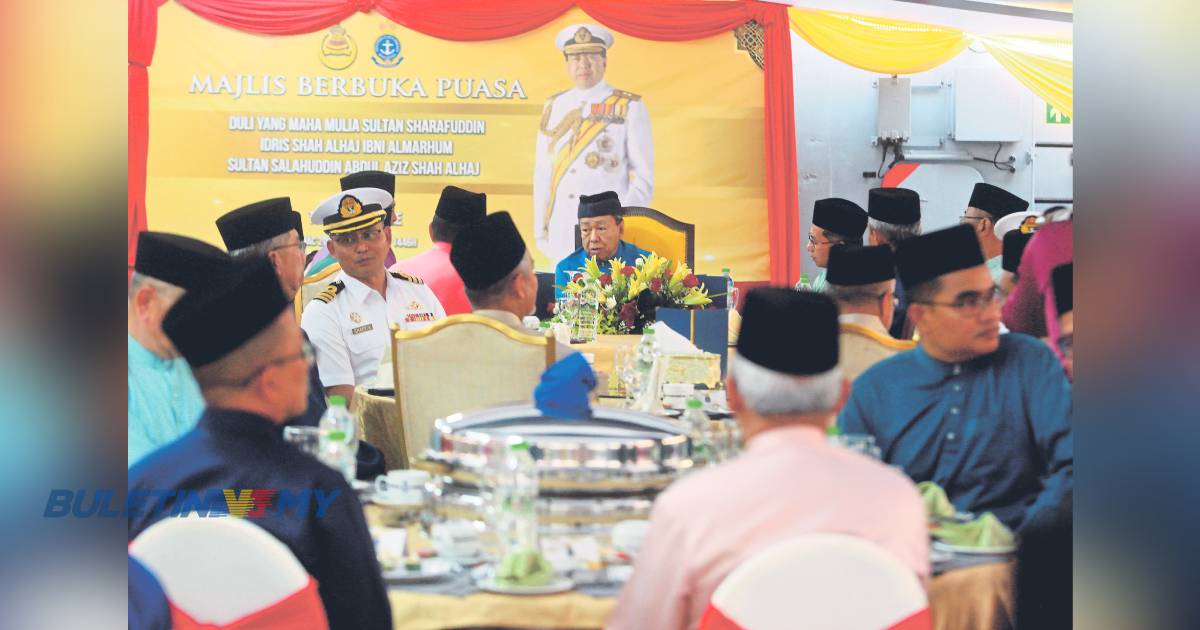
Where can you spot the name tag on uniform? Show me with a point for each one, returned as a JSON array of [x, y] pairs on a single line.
[[362, 329]]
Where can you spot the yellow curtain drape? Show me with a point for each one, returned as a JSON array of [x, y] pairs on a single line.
[[1042, 64], [877, 44]]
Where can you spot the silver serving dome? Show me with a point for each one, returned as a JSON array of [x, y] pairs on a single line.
[[615, 452]]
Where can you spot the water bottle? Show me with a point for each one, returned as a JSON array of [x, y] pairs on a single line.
[[804, 284], [644, 355], [513, 484], [731, 292], [587, 319], [699, 429], [339, 443]]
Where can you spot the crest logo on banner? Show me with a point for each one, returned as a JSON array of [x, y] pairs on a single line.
[[387, 51], [338, 50]]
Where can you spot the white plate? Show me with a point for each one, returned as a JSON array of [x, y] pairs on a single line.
[[558, 585], [360, 486], [431, 569], [978, 551], [388, 502]]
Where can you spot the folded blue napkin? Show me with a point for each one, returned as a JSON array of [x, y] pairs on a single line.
[[563, 391]]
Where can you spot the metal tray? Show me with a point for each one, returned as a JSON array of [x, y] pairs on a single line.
[[616, 451]]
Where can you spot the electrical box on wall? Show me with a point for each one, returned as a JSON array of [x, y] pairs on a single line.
[[894, 121], [987, 106]]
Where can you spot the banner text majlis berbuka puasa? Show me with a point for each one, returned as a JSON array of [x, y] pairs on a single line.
[[241, 85]]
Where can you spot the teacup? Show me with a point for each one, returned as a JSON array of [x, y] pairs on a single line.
[[456, 539], [402, 486]]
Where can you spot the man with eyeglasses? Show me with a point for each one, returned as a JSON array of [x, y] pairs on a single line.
[[985, 416], [370, 187], [271, 229], [601, 229], [248, 356], [350, 320], [164, 401], [862, 281], [988, 205], [834, 221], [592, 137]]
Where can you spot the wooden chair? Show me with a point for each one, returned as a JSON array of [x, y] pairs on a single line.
[[461, 363], [656, 232]]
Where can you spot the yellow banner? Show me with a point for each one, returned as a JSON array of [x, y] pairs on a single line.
[[237, 117]]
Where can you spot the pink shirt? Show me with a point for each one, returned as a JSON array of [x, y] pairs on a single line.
[[789, 482], [1030, 307], [433, 266]]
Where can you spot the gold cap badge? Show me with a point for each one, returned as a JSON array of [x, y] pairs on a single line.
[[349, 207], [583, 36]]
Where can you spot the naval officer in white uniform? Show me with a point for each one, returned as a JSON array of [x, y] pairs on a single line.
[[348, 323], [592, 138]]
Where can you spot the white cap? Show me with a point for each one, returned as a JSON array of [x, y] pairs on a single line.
[[364, 195], [1010, 222], [578, 38]]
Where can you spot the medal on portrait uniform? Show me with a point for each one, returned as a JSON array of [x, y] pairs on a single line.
[[592, 160], [605, 143]]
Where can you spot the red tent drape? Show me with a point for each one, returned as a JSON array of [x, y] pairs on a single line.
[[476, 20]]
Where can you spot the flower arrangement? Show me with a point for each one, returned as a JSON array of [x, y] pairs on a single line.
[[629, 295]]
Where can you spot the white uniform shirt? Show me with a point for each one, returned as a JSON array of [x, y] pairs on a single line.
[[621, 160], [351, 331]]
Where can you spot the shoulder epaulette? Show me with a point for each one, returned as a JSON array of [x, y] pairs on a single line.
[[328, 293], [400, 275], [629, 95]]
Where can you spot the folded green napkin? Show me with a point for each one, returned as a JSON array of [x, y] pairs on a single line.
[[936, 502], [985, 531], [525, 568]]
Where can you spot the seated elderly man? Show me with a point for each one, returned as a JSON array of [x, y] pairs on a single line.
[[894, 214], [862, 282], [834, 221], [985, 416], [271, 229], [601, 228], [244, 346], [497, 270], [164, 401], [784, 386], [988, 205]]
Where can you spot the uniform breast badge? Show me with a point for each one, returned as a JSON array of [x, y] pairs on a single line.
[[592, 160], [611, 163], [605, 143], [356, 318]]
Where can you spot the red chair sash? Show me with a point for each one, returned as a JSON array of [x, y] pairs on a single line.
[[302, 609]]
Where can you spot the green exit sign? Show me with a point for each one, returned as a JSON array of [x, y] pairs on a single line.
[[1056, 117]]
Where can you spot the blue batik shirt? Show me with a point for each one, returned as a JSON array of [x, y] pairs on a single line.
[[994, 432], [574, 263]]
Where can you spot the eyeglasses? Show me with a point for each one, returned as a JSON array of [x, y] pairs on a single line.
[[1066, 343], [306, 352], [367, 236], [813, 241], [298, 246], [967, 217], [972, 304]]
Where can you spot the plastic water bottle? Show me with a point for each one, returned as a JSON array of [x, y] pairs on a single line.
[[587, 320], [699, 429], [513, 481], [804, 284], [339, 443], [731, 292]]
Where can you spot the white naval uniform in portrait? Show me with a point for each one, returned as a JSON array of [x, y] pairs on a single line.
[[617, 155], [348, 324]]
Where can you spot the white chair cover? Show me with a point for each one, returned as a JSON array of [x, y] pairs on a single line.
[[218, 570], [827, 581]]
